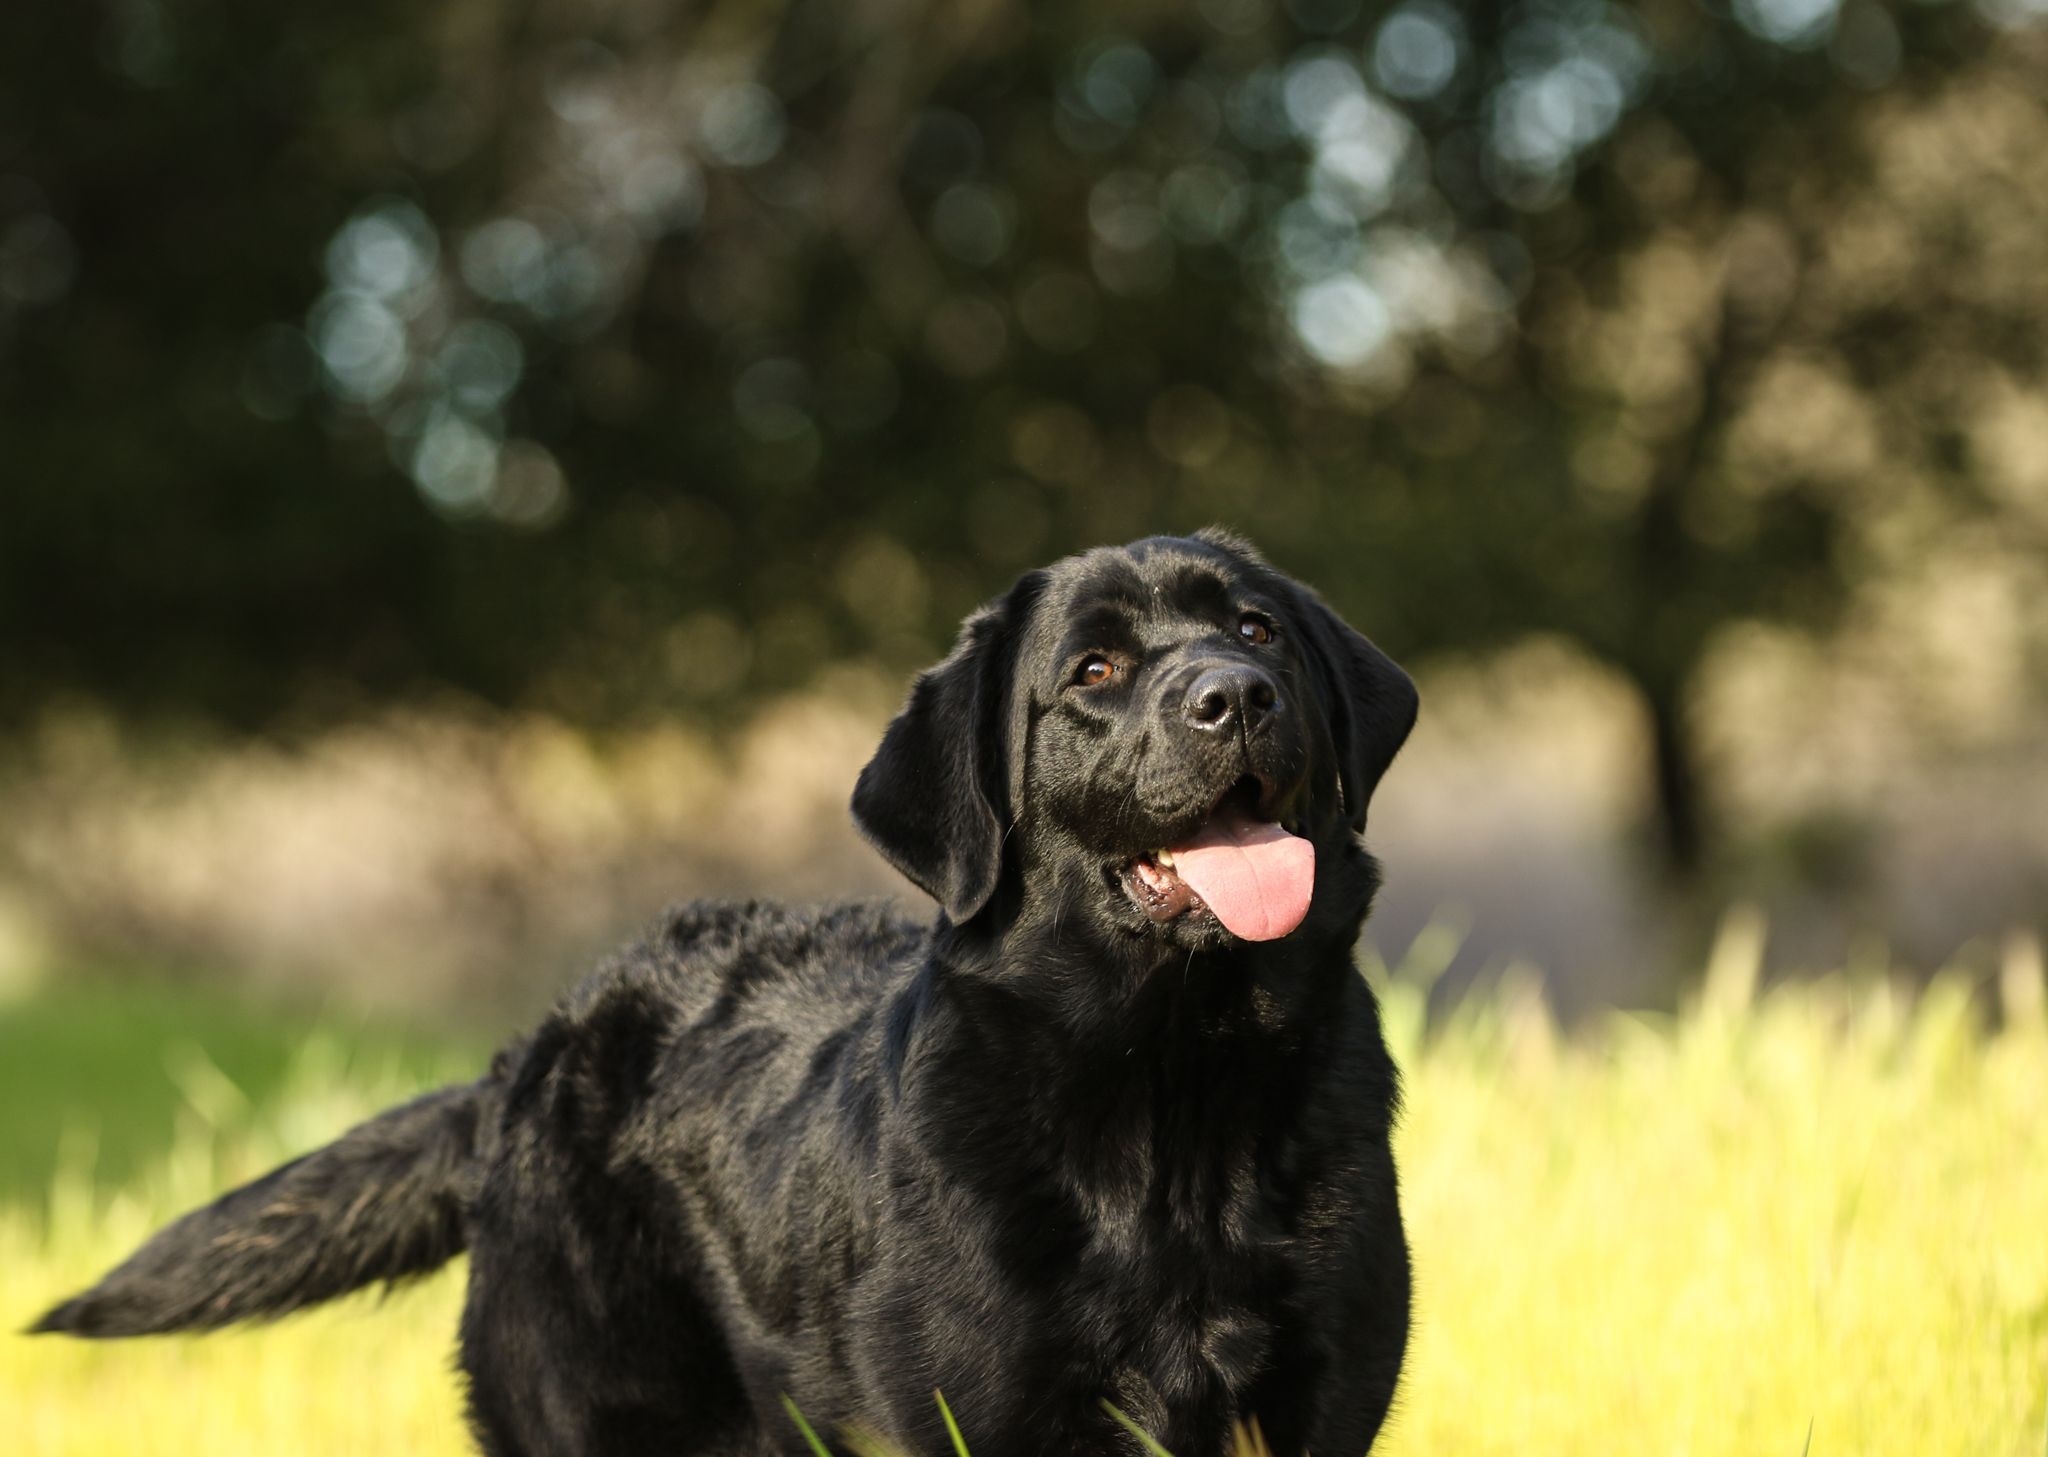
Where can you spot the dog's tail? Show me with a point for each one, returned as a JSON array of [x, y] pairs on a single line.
[[382, 1202]]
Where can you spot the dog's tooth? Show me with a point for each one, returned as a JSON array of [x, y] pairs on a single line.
[[1163, 857]]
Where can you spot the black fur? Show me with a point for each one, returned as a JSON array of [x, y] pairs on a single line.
[[1043, 1153], [382, 1202]]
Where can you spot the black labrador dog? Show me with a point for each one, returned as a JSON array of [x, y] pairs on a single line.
[[1111, 1131]]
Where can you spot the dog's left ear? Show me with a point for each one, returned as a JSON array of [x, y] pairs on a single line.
[[1371, 703], [935, 798]]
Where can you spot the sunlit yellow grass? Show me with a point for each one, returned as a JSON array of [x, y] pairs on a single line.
[[1827, 1205]]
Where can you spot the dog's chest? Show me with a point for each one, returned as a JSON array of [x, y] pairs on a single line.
[[1183, 1360], [1211, 1330], [1181, 1298]]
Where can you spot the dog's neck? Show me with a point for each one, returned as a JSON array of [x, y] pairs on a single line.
[[1123, 1082]]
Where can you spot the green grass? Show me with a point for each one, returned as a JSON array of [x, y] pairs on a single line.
[[1824, 1209], [117, 1063]]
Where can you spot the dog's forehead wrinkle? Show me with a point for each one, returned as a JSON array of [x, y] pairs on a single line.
[[1106, 572], [1148, 600], [1201, 590], [1138, 576], [1102, 624]]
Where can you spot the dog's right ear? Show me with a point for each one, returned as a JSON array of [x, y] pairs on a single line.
[[935, 799], [1371, 703]]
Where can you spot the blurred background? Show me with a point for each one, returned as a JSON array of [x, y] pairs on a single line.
[[471, 473]]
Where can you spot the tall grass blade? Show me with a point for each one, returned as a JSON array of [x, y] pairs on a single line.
[[1249, 1441], [803, 1426], [865, 1442], [1808, 1448], [1144, 1437], [1736, 963], [952, 1427]]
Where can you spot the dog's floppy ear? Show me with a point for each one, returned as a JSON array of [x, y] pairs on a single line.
[[935, 798], [1371, 703]]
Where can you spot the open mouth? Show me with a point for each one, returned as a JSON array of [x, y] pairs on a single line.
[[1254, 876]]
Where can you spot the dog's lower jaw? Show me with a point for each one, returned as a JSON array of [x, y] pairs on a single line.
[[1155, 891]]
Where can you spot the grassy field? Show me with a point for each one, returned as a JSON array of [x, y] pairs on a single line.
[[1823, 1207]]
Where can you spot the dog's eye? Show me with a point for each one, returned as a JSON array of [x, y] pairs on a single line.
[[1255, 629], [1094, 669]]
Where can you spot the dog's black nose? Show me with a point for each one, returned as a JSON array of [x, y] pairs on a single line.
[[1221, 698]]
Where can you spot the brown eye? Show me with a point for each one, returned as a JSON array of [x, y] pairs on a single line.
[[1255, 630], [1094, 670]]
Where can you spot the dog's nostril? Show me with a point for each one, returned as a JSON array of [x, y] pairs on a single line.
[[1227, 696]]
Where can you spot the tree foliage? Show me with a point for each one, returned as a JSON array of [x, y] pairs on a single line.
[[625, 358]]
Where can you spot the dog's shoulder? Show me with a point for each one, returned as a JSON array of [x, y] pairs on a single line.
[[724, 987], [721, 932], [700, 952], [710, 952]]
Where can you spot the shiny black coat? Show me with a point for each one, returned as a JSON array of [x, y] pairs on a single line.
[[1043, 1154]]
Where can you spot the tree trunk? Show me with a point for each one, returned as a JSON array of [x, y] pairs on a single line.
[[1680, 816]]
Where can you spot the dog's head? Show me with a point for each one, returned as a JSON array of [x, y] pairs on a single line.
[[1171, 739]]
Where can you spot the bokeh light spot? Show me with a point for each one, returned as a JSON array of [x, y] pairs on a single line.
[[581, 84], [1341, 321], [1793, 23], [362, 343], [1122, 209], [768, 399], [1417, 51], [455, 464], [663, 193], [528, 488], [1315, 86], [742, 126], [973, 222], [386, 252], [505, 260], [1117, 80], [481, 361], [1235, 17]]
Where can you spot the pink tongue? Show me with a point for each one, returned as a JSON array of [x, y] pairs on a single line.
[[1257, 878]]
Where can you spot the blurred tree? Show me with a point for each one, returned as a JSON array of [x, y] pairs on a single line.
[[627, 357]]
